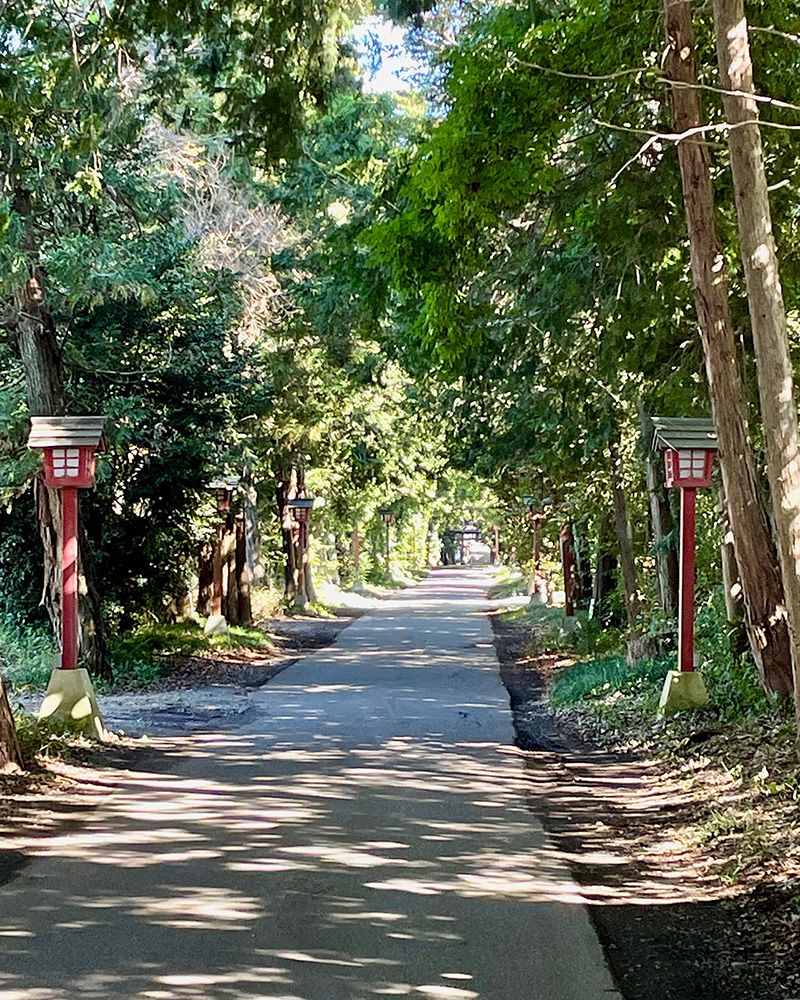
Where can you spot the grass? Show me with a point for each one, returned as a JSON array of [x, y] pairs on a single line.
[[26, 656], [150, 651], [508, 583], [599, 678], [47, 738]]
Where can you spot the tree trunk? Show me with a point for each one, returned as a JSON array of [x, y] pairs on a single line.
[[583, 569], [765, 613], [627, 563], [255, 562], [605, 573], [661, 522], [205, 575], [245, 611], [568, 566], [10, 753], [765, 301], [231, 599], [287, 488], [730, 569]]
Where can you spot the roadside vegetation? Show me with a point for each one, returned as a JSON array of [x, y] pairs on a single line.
[[732, 765]]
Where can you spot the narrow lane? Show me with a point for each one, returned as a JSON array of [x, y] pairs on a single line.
[[367, 835]]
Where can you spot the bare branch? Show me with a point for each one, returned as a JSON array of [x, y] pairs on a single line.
[[658, 75], [230, 231], [677, 137], [774, 31]]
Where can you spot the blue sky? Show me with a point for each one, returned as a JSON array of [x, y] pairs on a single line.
[[393, 59]]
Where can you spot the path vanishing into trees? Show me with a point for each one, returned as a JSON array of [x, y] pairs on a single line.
[[366, 835]]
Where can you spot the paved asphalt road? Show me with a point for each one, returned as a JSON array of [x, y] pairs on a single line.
[[365, 835]]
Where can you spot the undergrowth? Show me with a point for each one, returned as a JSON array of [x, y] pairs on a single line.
[[27, 654], [46, 738], [735, 760], [150, 651]]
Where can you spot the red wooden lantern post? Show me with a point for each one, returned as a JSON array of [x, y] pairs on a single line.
[[689, 446], [69, 445]]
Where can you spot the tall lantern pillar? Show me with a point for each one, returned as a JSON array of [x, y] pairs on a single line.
[[69, 446], [689, 445]]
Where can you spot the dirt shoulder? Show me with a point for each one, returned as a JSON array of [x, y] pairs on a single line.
[[673, 922]]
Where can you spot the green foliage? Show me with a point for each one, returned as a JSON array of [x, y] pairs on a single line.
[[610, 676], [46, 738], [27, 654], [149, 651]]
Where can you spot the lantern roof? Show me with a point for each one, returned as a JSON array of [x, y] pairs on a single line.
[[66, 432], [301, 503], [678, 433], [229, 483]]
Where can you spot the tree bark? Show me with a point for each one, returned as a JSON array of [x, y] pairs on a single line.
[[568, 567], [765, 302], [255, 562], [205, 575], [289, 486], [605, 573], [10, 753], [627, 563], [245, 611], [661, 522], [762, 590]]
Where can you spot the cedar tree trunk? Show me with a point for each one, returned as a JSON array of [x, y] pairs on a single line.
[[765, 300], [627, 564], [762, 590]]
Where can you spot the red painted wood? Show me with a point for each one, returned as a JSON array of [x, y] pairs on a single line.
[[69, 570], [686, 622]]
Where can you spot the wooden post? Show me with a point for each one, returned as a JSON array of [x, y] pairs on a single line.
[[69, 570], [686, 622], [356, 552]]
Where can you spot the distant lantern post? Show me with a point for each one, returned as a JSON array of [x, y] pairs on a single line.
[[689, 445], [69, 446], [223, 490], [388, 516], [300, 508]]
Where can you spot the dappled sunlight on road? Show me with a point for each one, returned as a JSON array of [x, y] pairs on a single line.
[[241, 857], [369, 832]]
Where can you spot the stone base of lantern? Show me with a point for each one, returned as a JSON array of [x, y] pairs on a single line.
[[682, 689], [216, 625], [70, 699]]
